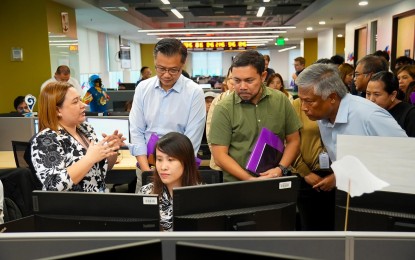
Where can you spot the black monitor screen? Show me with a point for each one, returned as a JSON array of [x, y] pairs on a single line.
[[377, 211], [126, 86], [261, 205], [90, 211]]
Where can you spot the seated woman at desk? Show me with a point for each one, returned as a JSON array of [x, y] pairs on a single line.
[[175, 167], [66, 153]]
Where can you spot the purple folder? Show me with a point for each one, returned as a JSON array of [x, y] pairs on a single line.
[[151, 144], [267, 152]]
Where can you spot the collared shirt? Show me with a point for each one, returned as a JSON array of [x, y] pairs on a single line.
[[180, 109], [358, 116], [237, 124]]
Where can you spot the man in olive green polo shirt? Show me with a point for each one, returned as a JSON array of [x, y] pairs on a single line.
[[238, 119]]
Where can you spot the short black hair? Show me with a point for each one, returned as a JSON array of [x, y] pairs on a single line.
[[383, 54], [143, 68], [17, 101], [250, 57], [170, 47], [337, 59]]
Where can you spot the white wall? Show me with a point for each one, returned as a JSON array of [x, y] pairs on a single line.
[[384, 17], [325, 43]]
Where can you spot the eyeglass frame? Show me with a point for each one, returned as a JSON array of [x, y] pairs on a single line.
[[172, 71], [357, 74]]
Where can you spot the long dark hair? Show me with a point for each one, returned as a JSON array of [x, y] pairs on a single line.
[[180, 147]]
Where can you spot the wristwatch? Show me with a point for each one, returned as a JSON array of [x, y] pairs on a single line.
[[285, 171]]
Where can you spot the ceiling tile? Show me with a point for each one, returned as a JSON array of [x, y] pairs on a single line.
[[151, 11], [201, 10]]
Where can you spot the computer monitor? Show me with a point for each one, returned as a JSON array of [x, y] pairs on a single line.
[[126, 86], [57, 211], [260, 205], [109, 125], [377, 211]]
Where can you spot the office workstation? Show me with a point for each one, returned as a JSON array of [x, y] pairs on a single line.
[[366, 213]]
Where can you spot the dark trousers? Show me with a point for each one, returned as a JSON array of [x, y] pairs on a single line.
[[316, 208]]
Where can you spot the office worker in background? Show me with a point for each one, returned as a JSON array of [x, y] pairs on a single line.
[[299, 66], [324, 98], [238, 119], [145, 73], [168, 102], [227, 88], [20, 105], [96, 96], [346, 71], [315, 206], [405, 75], [402, 61], [66, 153], [383, 90], [365, 68], [267, 68], [175, 167], [276, 82], [63, 73]]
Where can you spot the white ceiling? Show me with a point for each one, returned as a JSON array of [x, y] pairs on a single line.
[[90, 14]]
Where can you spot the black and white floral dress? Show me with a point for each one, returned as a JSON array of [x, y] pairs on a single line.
[[165, 205], [53, 152]]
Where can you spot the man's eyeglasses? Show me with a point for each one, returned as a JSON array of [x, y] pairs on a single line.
[[173, 71], [357, 74]]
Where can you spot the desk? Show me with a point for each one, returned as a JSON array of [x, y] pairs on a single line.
[[7, 160], [127, 162]]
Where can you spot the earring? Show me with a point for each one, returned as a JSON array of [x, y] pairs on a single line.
[[59, 115], [332, 101]]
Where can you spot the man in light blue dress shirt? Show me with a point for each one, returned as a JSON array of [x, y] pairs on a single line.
[[168, 102], [325, 99]]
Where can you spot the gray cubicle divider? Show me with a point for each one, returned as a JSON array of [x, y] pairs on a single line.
[[15, 128], [317, 245]]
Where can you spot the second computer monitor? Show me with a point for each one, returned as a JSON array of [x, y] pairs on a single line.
[[261, 205], [109, 125]]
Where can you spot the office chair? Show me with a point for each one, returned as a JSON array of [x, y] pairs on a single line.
[[208, 176], [19, 148], [146, 177], [211, 176], [22, 158]]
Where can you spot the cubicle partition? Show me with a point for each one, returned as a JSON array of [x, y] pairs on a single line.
[[309, 245], [17, 129]]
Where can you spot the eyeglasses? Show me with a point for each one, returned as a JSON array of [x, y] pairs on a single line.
[[357, 74], [173, 71]]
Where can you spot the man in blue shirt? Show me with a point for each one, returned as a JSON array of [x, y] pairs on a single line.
[[168, 102], [325, 99]]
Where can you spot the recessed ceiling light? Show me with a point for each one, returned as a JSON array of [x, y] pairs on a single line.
[[322, 22], [286, 49], [309, 28], [286, 39], [260, 11], [340, 35], [177, 13], [363, 3], [166, 2]]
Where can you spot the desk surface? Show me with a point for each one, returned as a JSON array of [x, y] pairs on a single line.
[[127, 162]]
